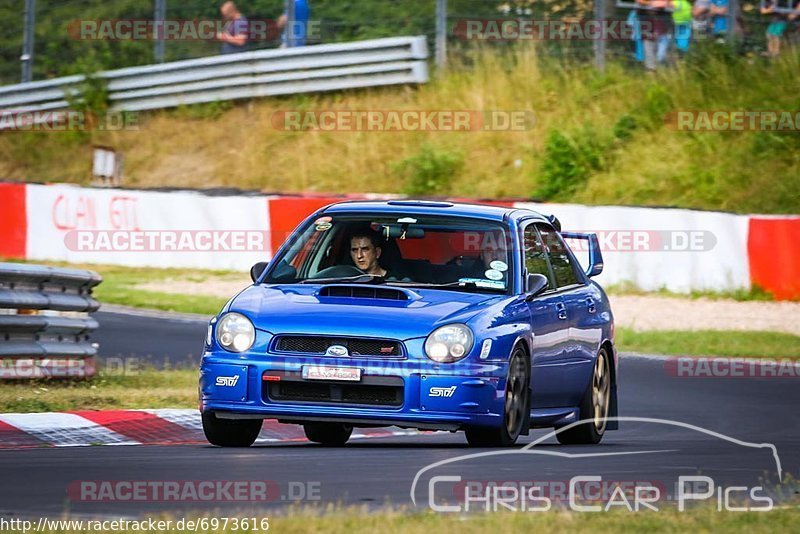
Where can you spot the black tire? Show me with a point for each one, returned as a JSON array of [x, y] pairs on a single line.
[[594, 406], [230, 432], [328, 434], [517, 402]]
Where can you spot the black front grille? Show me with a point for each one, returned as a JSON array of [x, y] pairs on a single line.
[[371, 391], [355, 347]]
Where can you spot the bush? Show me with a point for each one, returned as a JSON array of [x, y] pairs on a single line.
[[430, 171], [569, 160]]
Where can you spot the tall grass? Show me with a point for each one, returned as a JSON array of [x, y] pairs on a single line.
[[597, 138]]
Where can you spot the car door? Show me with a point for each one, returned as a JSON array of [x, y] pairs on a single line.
[[580, 304], [549, 323]]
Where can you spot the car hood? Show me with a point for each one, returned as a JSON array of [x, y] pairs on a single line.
[[308, 309]]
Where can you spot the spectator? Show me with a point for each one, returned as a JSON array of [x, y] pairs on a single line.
[[656, 23], [718, 10], [234, 38], [712, 17], [636, 35], [682, 20], [778, 25], [297, 35], [775, 29], [701, 18]]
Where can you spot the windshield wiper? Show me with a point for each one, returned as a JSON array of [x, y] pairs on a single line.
[[358, 279], [448, 285]]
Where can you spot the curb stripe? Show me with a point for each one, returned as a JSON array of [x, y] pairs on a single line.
[[140, 427], [186, 418], [272, 429], [64, 429], [143, 427], [12, 437]]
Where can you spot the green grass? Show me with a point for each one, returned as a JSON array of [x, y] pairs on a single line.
[[145, 388], [740, 295], [119, 283], [596, 139], [354, 520], [731, 343]]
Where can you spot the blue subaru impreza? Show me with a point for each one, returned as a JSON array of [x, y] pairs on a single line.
[[418, 314]]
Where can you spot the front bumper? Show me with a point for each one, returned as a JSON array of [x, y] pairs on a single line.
[[413, 393]]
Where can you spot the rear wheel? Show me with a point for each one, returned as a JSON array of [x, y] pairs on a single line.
[[517, 403], [230, 432], [594, 407], [329, 434]]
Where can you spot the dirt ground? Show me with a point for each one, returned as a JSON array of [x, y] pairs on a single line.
[[641, 312]]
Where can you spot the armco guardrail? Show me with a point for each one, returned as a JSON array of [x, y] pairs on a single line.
[[36, 341], [396, 60]]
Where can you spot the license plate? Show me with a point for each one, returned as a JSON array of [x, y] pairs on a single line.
[[322, 372]]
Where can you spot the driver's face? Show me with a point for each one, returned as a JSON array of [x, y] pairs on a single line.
[[365, 255]]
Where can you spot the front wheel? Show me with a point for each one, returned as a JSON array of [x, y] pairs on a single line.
[[517, 402], [230, 432], [328, 434], [594, 407]]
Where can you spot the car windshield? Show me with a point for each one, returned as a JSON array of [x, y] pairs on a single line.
[[456, 253]]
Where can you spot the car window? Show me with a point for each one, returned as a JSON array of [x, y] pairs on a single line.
[[563, 268], [536, 255], [470, 254]]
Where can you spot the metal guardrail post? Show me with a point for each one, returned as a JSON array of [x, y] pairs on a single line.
[[600, 44], [27, 41], [733, 7], [160, 15], [441, 33], [289, 31], [44, 322]]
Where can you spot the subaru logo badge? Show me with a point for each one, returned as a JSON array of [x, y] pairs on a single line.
[[336, 350]]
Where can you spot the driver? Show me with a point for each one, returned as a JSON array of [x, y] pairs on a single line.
[[365, 251]]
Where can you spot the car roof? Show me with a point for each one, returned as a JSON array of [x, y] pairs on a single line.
[[433, 207]]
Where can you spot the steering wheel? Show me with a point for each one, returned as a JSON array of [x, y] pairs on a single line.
[[338, 271]]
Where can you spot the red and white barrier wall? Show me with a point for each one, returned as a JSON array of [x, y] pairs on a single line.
[[679, 250]]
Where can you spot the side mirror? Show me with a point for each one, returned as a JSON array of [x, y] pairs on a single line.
[[595, 255], [555, 222], [258, 269], [535, 284]]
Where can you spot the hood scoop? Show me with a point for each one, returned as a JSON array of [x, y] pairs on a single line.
[[364, 292]]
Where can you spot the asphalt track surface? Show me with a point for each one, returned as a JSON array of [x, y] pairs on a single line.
[[379, 471]]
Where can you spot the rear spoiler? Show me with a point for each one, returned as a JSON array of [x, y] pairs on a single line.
[[595, 256]]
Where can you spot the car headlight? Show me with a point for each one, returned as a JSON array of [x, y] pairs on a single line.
[[235, 332], [449, 343]]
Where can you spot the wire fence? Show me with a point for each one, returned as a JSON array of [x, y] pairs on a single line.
[[80, 36]]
